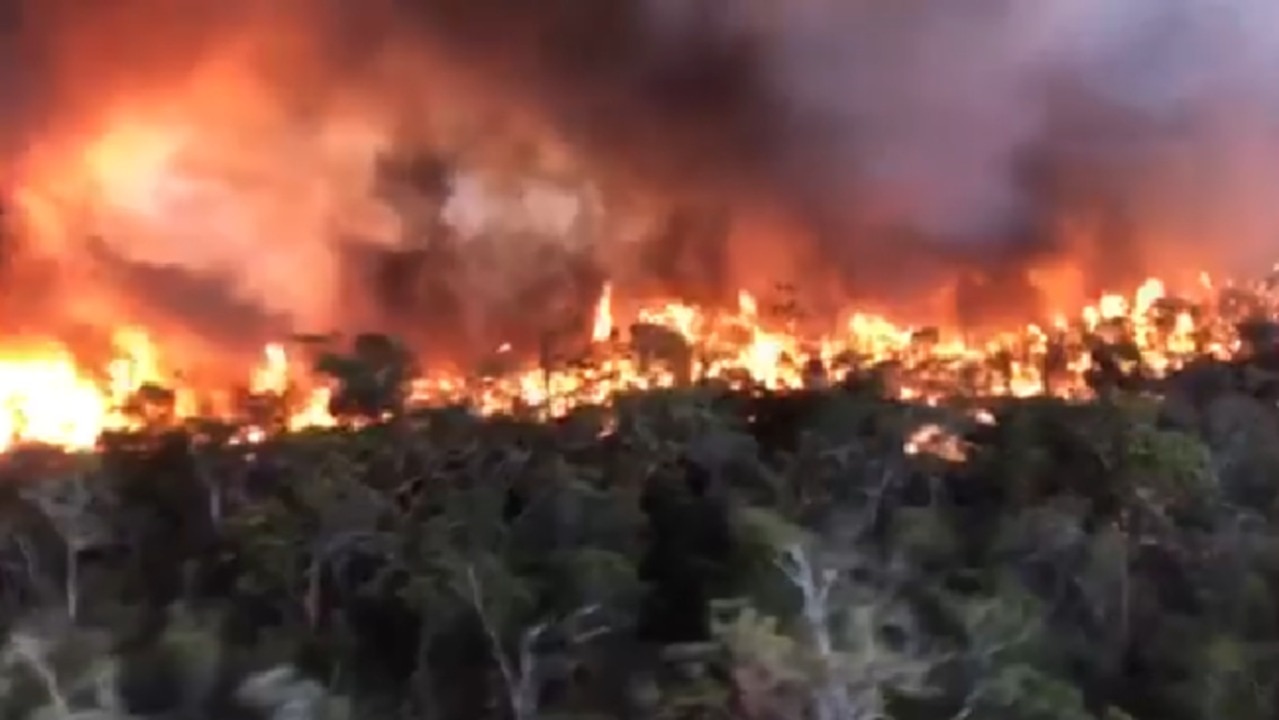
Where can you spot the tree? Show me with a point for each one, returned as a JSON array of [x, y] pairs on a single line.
[[372, 378]]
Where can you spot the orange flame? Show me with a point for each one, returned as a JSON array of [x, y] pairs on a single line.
[[279, 189], [46, 397]]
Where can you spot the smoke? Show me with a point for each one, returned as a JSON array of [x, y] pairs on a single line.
[[918, 116], [871, 117], [871, 149]]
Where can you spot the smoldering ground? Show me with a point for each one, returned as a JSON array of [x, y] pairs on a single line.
[[874, 150]]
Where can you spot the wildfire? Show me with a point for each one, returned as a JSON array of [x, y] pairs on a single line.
[[47, 397], [185, 183], [926, 364]]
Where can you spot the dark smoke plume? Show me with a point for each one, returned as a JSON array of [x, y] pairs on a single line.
[[892, 128]]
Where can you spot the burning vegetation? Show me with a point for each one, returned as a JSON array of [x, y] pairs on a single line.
[[1133, 341], [655, 198], [835, 360]]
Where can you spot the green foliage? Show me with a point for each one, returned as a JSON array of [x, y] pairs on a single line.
[[1176, 467], [1236, 679], [924, 535], [1021, 692], [1114, 558]]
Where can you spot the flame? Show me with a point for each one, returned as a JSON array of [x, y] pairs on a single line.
[[142, 171], [272, 376], [202, 176], [129, 165], [47, 397], [194, 181], [602, 329], [934, 439]]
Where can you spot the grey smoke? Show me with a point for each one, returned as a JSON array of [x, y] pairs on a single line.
[[902, 129], [931, 103]]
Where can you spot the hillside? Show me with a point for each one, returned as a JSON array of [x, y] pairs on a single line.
[[692, 553]]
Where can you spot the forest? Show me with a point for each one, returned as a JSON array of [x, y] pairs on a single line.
[[713, 549], [705, 551]]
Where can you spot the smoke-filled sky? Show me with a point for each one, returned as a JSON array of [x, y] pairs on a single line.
[[878, 139], [920, 109]]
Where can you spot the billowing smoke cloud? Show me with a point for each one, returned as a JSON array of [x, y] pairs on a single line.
[[874, 122], [868, 147]]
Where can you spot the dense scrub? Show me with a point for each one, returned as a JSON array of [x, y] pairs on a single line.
[[696, 553]]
